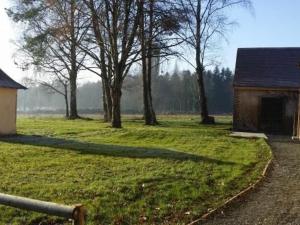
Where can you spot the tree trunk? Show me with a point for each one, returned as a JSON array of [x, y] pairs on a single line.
[[107, 101], [149, 114], [205, 118], [67, 102], [116, 107], [73, 97], [105, 109], [107, 106], [74, 69], [67, 107]]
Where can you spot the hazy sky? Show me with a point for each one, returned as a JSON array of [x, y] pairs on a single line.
[[274, 23]]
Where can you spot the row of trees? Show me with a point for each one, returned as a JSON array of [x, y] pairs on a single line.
[[60, 38], [174, 92]]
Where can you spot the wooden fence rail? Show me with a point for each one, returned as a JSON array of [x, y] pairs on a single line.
[[76, 213]]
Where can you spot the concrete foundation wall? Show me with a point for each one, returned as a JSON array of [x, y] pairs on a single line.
[[8, 105], [247, 108]]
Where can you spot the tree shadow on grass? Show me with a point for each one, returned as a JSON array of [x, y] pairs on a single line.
[[109, 150]]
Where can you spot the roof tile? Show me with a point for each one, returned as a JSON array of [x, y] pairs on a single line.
[[7, 82], [268, 67]]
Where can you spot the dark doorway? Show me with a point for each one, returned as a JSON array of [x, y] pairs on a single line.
[[272, 113]]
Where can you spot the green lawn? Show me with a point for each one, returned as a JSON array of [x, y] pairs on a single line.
[[168, 174]]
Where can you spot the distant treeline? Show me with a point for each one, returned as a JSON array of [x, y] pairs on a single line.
[[172, 93]]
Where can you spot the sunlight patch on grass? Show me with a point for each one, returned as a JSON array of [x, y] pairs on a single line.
[[123, 176]]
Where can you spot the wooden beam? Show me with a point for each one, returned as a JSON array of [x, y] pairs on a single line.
[[265, 89], [77, 213]]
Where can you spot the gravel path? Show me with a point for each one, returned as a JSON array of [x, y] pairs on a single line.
[[277, 199]]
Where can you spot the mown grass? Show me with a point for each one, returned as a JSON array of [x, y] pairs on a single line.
[[167, 174]]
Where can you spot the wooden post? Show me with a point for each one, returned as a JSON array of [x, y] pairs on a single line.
[[79, 215], [298, 124], [295, 124], [297, 121]]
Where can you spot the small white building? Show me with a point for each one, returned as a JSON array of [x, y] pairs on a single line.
[[8, 104]]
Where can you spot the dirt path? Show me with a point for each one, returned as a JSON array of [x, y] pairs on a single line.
[[277, 200]]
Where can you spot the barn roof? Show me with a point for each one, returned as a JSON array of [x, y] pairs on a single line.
[[7, 82], [268, 67]]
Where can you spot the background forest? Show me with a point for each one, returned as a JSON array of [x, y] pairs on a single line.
[[174, 92]]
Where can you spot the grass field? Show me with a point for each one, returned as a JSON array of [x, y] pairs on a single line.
[[168, 174]]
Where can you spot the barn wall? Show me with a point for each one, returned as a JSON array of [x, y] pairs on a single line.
[[8, 103], [247, 107]]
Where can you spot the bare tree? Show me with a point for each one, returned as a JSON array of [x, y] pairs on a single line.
[[159, 19], [206, 21], [146, 39], [48, 67], [53, 84], [57, 26], [115, 25], [152, 28], [60, 87], [95, 47]]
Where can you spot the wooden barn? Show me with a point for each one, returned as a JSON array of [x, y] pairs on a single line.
[[267, 91], [8, 104]]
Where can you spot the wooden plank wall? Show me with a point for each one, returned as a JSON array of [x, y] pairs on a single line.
[[247, 107]]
